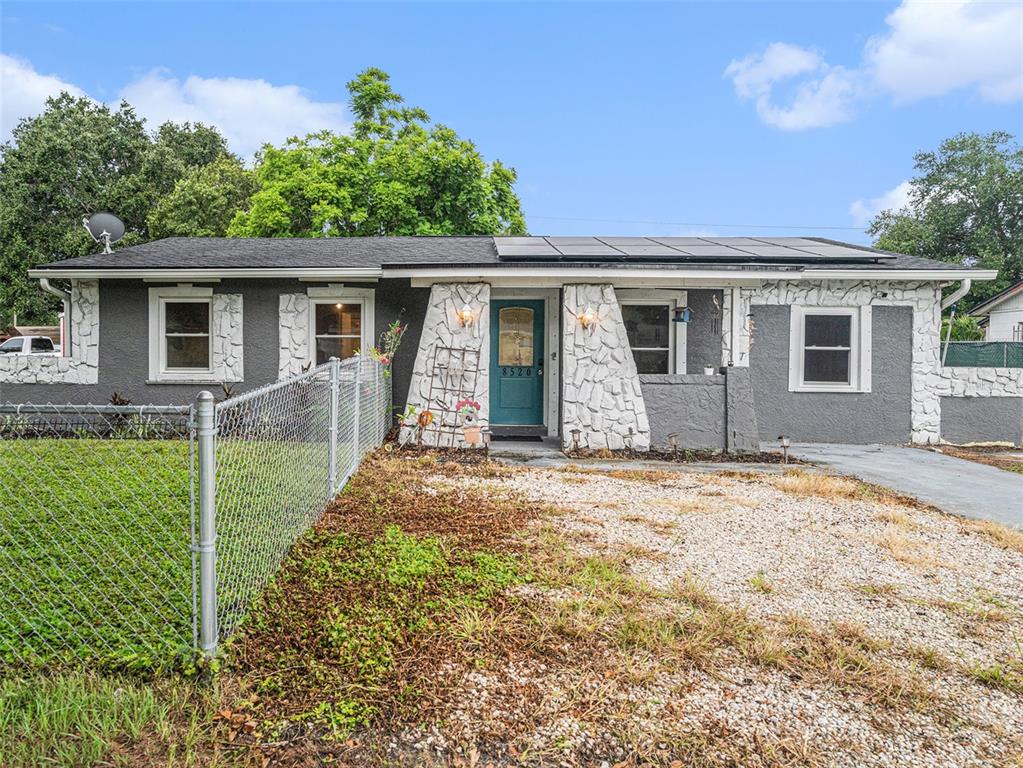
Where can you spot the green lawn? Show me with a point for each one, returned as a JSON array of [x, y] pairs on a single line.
[[95, 558], [94, 541]]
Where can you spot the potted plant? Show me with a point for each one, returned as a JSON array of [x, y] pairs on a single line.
[[469, 410]]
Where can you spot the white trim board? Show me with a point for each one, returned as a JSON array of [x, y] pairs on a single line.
[[860, 352], [678, 332], [518, 276], [157, 337], [336, 293]]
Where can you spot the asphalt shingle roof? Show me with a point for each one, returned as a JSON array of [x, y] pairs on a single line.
[[484, 251]]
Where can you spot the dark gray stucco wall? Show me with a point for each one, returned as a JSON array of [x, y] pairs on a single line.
[[396, 298], [703, 334], [124, 342], [879, 416], [691, 406], [982, 419]]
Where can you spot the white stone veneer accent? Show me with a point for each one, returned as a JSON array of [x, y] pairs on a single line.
[[82, 366], [601, 395], [923, 297], [980, 382], [442, 329], [293, 311], [228, 344]]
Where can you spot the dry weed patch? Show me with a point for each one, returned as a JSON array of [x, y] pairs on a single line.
[[908, 551], [799, 482], [1002, 535]]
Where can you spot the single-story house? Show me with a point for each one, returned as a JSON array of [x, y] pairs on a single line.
[[1001, 316], [602, 342]]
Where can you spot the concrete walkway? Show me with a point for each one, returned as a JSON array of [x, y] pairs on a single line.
[[955, 485]]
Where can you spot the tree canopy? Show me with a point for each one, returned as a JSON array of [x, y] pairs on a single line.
[[966, 207], [395, 174], [76, 158]]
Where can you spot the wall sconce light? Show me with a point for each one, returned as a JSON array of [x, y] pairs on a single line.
[[587, 318], [681, 315], [465, 316]]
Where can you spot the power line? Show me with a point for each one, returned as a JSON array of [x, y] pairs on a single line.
[[689, 224]]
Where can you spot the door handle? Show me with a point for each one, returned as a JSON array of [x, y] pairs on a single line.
[[539, 370]]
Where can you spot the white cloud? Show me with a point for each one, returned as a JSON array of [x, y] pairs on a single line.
[[824, 97], [248, 112], [894, 199], [933, 48], [23, 92], [929, 49]]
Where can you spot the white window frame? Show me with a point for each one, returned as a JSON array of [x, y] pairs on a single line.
[[339, 294], [859, 349], [676, 331], [158, 300]]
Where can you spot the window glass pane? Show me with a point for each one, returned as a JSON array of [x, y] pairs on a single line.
[[651, 361], [826, 366], [828, 331], [335, 347], [12, 345], [42, 345], [515, 342], [646, 325], [188, 352], [337, 320], [187, 316]]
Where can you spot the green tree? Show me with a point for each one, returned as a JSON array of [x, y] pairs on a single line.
[[74, 159], [204, 201], [964, 328], [395, 174], [966, 207]]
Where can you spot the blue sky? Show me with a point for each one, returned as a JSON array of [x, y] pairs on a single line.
[[689, 116]]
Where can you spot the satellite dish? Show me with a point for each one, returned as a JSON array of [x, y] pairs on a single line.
[[105, 228]]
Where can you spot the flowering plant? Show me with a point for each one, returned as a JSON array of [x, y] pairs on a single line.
[[390, 340], [468, 409]]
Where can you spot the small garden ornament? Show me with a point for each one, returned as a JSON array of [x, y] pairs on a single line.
[[469, 411]]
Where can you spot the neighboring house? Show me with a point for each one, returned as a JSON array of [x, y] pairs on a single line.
[[1001, 316], [602, 342]]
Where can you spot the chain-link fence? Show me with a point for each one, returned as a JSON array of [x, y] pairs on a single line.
[[995, 354], [129, 536], [276, 468], [95, 534]]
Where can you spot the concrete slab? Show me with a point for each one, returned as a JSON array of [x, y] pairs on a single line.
[[530, 453], [954, 485]]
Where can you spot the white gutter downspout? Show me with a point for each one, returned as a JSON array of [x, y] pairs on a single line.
[[65, 297], [950, 301]]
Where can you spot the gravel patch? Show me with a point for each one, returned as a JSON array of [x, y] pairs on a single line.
[[910, 577]]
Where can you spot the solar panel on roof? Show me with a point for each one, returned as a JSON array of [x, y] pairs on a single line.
[[559, 241], [680, 241], [590, 251], [616, 241], [648, 250]]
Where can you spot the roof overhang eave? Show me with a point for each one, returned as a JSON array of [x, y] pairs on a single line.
[[210, 274]]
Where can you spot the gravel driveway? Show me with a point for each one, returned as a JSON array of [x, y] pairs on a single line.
[[889, 590]]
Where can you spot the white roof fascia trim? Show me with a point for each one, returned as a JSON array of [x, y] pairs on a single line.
[[208, 275], [449, 273]]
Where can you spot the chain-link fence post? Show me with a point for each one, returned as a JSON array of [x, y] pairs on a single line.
[[358, 406], [206, 432], [335, 396]]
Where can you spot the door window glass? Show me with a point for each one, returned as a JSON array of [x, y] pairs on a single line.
[[515, 336]]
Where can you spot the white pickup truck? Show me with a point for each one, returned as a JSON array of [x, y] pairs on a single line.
[[29, 345]]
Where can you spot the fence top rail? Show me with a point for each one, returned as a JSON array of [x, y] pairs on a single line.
[[25, 409], [320, 370]]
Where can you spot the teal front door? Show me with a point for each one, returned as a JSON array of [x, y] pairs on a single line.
[[516, 362]]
